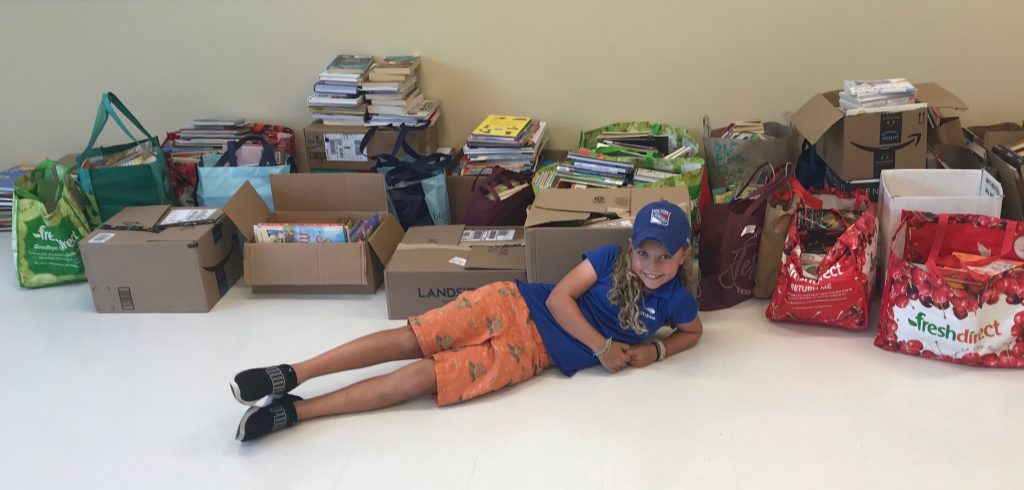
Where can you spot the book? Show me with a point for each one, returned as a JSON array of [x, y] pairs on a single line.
[[350, 64], [878, 87], [390, 87], [501, 126], [397, 65], [894, 108], [340, 119], [393, 97], [334, 100], [335, 89], [396, 107], [341, 78], [301, 232]]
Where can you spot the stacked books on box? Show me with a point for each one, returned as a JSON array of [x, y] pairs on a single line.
[[510, 142], [210, 134], [588, 169], [347, 231], [336, 97], [7, 178], [393, 93], [887, 94]]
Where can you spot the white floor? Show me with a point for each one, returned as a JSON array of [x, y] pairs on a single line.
[[142, 401]]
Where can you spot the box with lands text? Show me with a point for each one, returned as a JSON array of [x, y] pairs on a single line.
[[434, 264]]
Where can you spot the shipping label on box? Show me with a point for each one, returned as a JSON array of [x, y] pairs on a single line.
[[343, 146]]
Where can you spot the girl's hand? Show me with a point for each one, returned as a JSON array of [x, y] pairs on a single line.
[[642, 355], [616, 358]]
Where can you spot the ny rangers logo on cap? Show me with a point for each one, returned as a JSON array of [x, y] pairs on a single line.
[[660, 216]]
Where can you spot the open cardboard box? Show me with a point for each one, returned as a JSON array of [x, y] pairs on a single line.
[[137, 263], [332, 268], [564, 223], [434, 264], [859, 146]]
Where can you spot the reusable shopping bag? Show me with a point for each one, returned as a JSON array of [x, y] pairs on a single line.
[[130, 174], [49, 220], [219, 183]]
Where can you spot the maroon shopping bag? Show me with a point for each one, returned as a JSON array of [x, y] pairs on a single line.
[[729, 240], [491, 205]]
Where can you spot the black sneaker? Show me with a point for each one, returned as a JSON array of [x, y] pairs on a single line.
[[260, 386], [260, 421]]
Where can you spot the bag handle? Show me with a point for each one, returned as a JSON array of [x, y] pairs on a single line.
[[940, 236], [230, 157], [47, 170], [108, 103]]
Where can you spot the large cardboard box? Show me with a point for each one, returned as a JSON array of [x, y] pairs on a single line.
[[1009, 176], [860, 145], [434, 264], [564, 223], [336, 147], [331, 268], [934, 191], [138, 261]]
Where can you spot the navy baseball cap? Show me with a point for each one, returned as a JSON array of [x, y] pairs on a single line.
[[664, 223]]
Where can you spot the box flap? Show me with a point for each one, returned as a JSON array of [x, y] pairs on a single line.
[[540, 216], [816, 117], [144, 217], [585, 200], [386, 238], [433, 235], [245, 209], [679, 196], [329, 192], [936, 96], [506, 257]]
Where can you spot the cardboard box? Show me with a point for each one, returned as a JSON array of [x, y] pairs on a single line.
[[1004, 134], [434, 264], [336, 147], [858, 147], [957, 157], [134, 266], [934, 191], [562, 224], [331, 268], [1013, 187]]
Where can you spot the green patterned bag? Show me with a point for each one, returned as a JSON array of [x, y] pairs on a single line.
[[49, 220]]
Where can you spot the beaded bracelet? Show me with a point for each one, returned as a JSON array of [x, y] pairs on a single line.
[[662, 350], [604, 349]]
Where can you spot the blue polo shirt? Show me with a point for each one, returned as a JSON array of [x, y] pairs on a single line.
[[670, 304]]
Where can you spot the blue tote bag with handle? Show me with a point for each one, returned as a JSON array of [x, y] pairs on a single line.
[[218, 183], [416, 184]]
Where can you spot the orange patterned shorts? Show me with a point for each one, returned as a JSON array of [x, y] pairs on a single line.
[[481, 341]]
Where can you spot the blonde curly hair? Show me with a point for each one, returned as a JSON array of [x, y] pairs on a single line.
[[627, 291]]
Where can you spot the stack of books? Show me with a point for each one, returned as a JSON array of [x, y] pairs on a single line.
[[392, 89], [587, 169], [642, 144], [744, 130], [511, 142], [336, 96], [874, 94], [7, 178], [211, 134]]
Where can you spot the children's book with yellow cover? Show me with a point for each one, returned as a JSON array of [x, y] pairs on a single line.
[[503, 126]]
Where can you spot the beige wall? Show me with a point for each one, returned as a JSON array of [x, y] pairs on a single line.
[[576, 64]]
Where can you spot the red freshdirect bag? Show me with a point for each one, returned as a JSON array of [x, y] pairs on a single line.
[[839, 292], [923, 314]]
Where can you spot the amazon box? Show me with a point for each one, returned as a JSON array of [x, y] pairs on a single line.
[[328, 268], [562, 224], [158, 259], [434, 264], [859, 144], [336, 147]]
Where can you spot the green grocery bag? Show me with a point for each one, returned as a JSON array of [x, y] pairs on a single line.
[[116, 177], [49, 220]]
